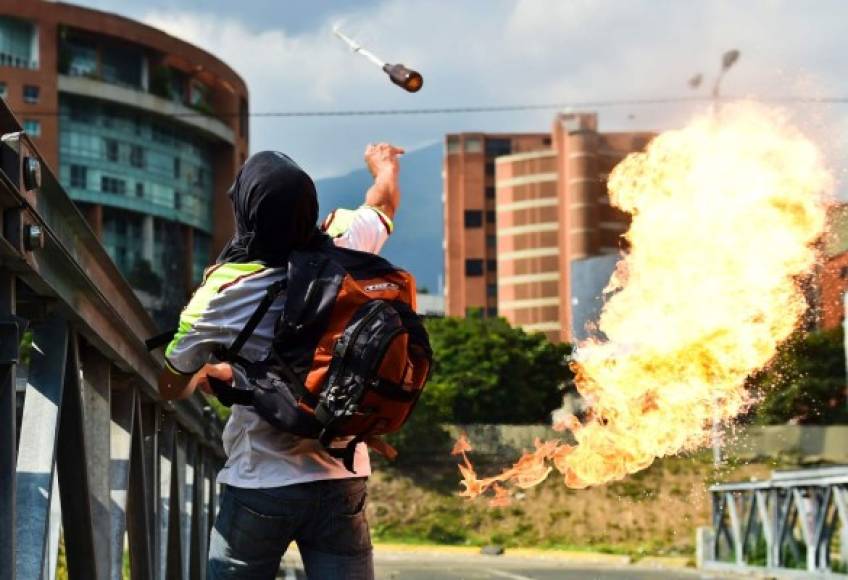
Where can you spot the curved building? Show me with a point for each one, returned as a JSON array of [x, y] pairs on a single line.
[[145, 131]]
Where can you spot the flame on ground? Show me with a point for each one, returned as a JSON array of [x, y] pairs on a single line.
[[725, 214]]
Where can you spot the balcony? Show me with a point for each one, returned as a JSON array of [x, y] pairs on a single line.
[[138, 99]]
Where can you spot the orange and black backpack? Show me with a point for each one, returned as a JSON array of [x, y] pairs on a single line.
[[350, 355]]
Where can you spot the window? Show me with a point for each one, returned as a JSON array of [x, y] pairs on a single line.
[[18, 43], [137, 156], [546, 141], [490, 192], [161, 134], [79, 176], [473, 218], [113, 185], [490, 167], [139, 189], [178, 201], [32, 127], [473, 267], [491, 241], [198, 95], [473, 145], [490, 216], [492, 265], [453, 145], [176, 167], [111, 149], [3, 90], [843, 272], [81, 114], [492, 312], [492, 290], [78, 58], [121, 65], [31, 93], [497, 147]]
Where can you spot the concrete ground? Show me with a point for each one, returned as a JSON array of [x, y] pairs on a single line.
[[424, 563]]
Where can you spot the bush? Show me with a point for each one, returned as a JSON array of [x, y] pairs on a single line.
[[486, 371], [806, 383]]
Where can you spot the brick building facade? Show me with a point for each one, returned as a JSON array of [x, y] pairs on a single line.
[[519, 209]]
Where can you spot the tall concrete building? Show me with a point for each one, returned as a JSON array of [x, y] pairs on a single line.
[[470, 216], [551, 221], [145, 131]]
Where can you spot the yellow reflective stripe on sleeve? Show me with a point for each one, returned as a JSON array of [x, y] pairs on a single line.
[[216, 280], [338, 222], [175, 370], [387, 221]]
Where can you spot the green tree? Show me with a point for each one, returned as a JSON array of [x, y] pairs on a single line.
[[489, 372], [806, 382]]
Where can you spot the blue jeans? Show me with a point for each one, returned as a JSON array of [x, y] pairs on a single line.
[[325, 518]]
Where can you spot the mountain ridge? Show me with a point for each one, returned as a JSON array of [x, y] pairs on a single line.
[[416, 243]]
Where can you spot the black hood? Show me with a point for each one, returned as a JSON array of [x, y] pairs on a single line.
[[276, 209]]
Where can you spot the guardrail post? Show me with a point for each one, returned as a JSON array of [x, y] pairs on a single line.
[[167, 435], [96, 407], [180, 502], [75, 467], [123, 411], [142, 500], [767, 520], [188, 504], [51, 558], [200, 518], [37, 448], [9, 339], [735, 527]]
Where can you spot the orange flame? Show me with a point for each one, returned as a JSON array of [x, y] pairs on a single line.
[[725, 213]]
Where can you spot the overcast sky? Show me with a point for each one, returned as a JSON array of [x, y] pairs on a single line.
[[490, 52]]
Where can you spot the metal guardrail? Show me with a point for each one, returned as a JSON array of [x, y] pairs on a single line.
[[793, 525], [86, 443]]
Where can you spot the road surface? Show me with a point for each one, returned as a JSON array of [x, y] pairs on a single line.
[[434, 565]]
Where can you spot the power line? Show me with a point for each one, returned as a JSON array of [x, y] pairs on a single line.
[[600, 104]]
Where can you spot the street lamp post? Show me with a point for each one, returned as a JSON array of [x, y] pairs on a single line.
[[728, 59]]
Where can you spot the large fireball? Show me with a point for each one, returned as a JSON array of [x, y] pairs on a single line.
[[725, 214]]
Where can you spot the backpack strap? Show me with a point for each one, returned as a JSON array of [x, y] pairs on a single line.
[[271, 293], [162, 339], [346, 454], [227, 394]]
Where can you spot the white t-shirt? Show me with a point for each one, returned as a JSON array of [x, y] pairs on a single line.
[[258, 454]]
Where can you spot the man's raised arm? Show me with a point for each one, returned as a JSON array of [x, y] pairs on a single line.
[[382, 162]]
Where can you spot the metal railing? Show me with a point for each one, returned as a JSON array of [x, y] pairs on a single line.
[[794, 524], [87, 451]]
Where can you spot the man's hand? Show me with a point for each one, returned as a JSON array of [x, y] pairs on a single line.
[[382, 157], [220, 371], [173, 386], [382, 162]]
